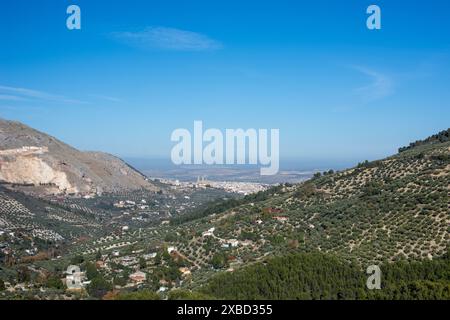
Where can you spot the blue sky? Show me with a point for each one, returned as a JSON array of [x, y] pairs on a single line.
[[137, 70]]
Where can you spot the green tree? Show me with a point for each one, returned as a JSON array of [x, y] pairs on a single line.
[[218, 261], [142, 263], [98, 287], [139, 295], [2, 285], [98, 255], [77, 260], [54, 282], [158, 259], [91, 271], [23, 274], [120, 281], [179, 294]]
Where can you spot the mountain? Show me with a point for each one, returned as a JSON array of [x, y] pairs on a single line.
[[313, 240], [375, 213], [47, 165], [441, 137]]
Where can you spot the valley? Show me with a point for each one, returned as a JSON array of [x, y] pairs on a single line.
[[190, 239]]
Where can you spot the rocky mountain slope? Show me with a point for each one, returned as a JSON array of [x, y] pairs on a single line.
[[30, 157]]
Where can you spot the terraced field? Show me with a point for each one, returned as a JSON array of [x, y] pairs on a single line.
[[387, 210], [380, 212], [29, 225]]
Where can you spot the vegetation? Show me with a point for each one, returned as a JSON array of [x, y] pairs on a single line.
[[223, 205], [441, 137], [55, 282], [320, 276], [312, 240], [138, 295], [99, 286], [179, 294]]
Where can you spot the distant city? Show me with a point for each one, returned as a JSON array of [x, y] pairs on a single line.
[[290, 172]]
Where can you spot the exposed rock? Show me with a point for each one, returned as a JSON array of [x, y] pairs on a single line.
[[28, 156]]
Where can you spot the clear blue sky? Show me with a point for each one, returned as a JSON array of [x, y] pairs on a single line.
[[137, 70]]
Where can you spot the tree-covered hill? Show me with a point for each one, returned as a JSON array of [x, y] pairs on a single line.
[[394, 209], [319, 276], [441, 137], [312, 240]]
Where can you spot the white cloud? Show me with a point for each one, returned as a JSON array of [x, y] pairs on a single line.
[[20, 94], [108, 98], [21, 108], [9, 97], [380, 87], [168, 39]]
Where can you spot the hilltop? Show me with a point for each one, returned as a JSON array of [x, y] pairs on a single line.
[[441, 137], [42, 164]]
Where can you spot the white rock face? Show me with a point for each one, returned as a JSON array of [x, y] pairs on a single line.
[[28, 156], [24, 166]]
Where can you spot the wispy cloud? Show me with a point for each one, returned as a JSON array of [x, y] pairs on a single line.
[[380, 86], [168, 39], [20, 94], [21, 108], [9, 97], [107, 98]]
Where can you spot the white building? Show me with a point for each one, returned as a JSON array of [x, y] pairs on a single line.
[[171, 249]]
